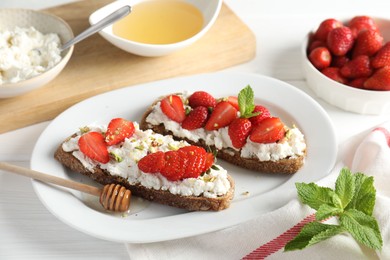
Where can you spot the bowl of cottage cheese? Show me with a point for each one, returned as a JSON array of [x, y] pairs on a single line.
[[30, 55]]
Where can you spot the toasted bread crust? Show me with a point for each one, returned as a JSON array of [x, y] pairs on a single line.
[[191, 203], [285, 166]]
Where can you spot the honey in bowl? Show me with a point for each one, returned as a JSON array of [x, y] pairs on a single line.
[[160, 22]]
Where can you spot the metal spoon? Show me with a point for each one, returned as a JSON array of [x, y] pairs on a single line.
[[118, 14]]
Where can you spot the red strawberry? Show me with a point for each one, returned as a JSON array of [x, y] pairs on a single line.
[[380, 80], [334, 73], [340, 41], [152, 163], [196, 160], [382, 58], [358, 67], [118, 129], [360, 23], [368, 42], [202, 98], [173, 168], [172, 106], [320, 57], [314, 44], [93, 145], [357, 83], [239, 131], [269, 131], [234, 102], [339, 61], [223, 114], [325, 27], [209, 161], [196, 118], [264, 113]]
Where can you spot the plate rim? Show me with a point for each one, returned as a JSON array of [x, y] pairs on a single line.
[[234, 213]]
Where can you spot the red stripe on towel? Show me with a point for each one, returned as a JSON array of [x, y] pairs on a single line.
[[278, 243]]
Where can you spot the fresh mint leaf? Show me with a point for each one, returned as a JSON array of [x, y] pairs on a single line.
[[313, 233], [345, 187], [352, 202], [246, 102], [363, 228], [326, 211], [314, 195], [365, 194]]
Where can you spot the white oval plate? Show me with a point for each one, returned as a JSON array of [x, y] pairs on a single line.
[[255, 194]]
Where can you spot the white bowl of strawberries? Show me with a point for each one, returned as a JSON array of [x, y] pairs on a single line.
[[347, 63]]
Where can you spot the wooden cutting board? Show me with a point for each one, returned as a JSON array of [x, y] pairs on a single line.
[[96, 66]]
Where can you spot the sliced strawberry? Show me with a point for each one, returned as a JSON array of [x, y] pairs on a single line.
[[210, 158], [382, 58], [358, 67], [152, 163], [93, 145], [202, 98], [320, 57], [234, 102], [173, 168], [223, 114], [264, 113], [325, 27], [196, 118], [172, 106], [269, 131], [238, 131], [196, 160], [368, 42], [118, 129], [340, 41]]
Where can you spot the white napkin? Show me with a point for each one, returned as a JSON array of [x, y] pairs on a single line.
[[265, 236]]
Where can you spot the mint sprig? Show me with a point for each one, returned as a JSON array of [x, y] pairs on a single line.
[[351, 202], [246, 102]]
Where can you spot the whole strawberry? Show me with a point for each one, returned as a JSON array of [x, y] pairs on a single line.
[[357, 67], [196, 118], [357, 83], [368, 42], [320, 57], [361, 23], [340, 41], [382, 58], [380, 80], [334, 73], [339, 61], [263, 114], [325, 27]]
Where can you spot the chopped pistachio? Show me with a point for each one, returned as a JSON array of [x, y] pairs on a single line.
[[116, 157], [84, 129]]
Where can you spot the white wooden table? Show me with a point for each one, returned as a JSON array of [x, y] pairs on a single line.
[[29, 231]]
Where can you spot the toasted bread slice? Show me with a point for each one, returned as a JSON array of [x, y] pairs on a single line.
[[103, 176], [288, 165]]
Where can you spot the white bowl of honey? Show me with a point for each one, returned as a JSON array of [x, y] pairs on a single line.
[[158, 27]]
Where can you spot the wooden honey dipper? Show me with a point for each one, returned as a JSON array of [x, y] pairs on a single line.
[[113, 197]]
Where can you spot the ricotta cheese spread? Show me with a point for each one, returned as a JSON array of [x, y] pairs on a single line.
[[26, 52], [126, 155], [291, 146]]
